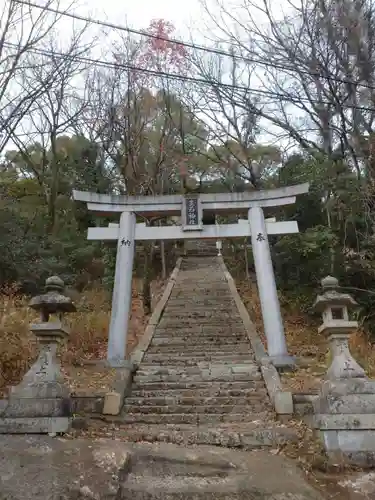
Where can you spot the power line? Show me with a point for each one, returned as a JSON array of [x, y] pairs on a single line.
[[116, 65], [175, 76], [193, 45]]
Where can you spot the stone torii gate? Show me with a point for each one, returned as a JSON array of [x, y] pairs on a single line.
[[191, 207]]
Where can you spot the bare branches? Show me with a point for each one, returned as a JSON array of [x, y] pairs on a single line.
[[55, 109], [321, 70], [22, 30]]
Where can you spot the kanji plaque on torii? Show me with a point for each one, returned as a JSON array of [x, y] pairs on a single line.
[[191, 213]]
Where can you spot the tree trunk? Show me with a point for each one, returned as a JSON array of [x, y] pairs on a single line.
[[332, 254], [147, 277], [246, 261], [162, 256], [163, 263]]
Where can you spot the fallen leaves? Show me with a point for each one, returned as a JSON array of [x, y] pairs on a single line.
[[87, 341]]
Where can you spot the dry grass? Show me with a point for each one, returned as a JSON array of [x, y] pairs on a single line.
[[305, 343], [87, 340]]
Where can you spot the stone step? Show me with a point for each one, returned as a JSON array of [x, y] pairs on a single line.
[[210, 339], [203, 337], [199, 301], [191, 323], [200, 279], [201, 307], [201, 367], [204, 365], [145, 379], [210, 369], [203, 317], [193, 346], [190, 418], [209, 293], [185, 393], [211, 385], [243, 436], [178, 338], [198, 401], [206, 358], [196, 299], [204, 368], [192, 292], [198, 296], [236, 331], [191, 320], [196, 409], [170, 346]]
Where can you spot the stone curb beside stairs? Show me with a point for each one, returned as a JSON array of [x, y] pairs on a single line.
[[281, 400]]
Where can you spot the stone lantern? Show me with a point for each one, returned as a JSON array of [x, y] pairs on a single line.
[[345, 406], [338, 328], [41, 402]]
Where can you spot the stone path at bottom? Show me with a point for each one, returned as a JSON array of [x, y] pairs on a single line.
[[45, 468], [198, 382]]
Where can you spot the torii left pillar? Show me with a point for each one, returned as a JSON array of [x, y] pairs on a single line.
[[122, 290]]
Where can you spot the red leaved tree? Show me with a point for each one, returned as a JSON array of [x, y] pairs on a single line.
[[159, 51]]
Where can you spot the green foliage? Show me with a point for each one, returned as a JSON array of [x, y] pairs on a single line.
[[109, 261], [29, 250], [303, 259]]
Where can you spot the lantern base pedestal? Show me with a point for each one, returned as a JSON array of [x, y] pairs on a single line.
[[35, 415], [38, 425], [41, 403], [345, 419]]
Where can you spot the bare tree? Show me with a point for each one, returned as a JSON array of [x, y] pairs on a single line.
[[233, 149], [314, 71], [23, 30], [313, 68], [54, 113]]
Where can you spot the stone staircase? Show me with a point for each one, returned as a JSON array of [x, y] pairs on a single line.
[[198, 381], [200, 248]]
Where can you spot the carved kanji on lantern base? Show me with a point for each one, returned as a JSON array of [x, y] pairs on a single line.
[[345, 407], [41, 402]]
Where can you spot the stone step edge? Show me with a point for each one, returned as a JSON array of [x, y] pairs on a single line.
[[204, 384], [191, 400], [139, 380], [211, 345], [192, 418], [259, 392], [177, 409], [233, 439]]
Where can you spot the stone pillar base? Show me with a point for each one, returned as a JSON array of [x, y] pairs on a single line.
[[35, 415], [283, 363], [345, 418]]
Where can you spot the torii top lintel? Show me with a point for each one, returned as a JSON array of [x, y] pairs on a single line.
[[171, 204]]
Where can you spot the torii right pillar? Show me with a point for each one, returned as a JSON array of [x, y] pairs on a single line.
[[269, 301]]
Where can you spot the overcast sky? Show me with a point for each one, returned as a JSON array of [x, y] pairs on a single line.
[[138, 13]]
